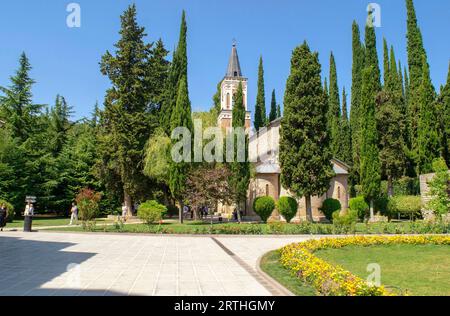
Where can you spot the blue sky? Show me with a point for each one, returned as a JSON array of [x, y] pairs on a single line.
[[65, 60]]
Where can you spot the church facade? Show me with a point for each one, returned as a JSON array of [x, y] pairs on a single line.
[[264, 154]]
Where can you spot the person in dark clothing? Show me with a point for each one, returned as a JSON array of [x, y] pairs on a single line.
[[3, 216]]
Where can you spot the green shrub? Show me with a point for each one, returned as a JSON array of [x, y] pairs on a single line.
[[346, 220], [264, 206], [405, 205], [359, 205], [10, 208], [330, 206], [151, 211], [406, 186], [288, 207], [381, 204]]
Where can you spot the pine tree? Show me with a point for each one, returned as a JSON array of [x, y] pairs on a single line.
[[178, 171], [273, 108], [157, 74], [416, 53], [428, 142], [305, 157], [240, 170], [355, 117], [370, 164], [391, 124], [346, 137], [334, 112], [127, 121], [59, 124], [260, 108], [178, 70], [20, 113]]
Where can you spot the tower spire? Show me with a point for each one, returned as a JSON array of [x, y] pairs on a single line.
[[234, 67]]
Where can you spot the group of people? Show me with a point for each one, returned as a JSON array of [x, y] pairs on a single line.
[[3, 216], [188, 212]]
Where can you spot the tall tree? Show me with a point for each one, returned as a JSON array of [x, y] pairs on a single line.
[[334, 111], [260, 108], [305, 156], [178, 171], [386, 61], [428, 142], [59, 124], [443, 107], [240, 170], [416, 53], [273, 108], [391, 124], [279, 111], [370, 164], [346, 137], [18, 108], [355, 116], [128, 116], [371, 55], [177, 72], [157, 73]]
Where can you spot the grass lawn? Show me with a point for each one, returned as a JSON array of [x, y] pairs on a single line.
[[270, 264], [422, 270], [45, 221]]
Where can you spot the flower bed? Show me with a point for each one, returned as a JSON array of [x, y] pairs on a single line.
[[331, 280]]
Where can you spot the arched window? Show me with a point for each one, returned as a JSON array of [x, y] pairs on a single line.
[[339, 193], [267, 190], [228, 101]]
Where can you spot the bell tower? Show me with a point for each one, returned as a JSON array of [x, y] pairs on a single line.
[[228, 89]]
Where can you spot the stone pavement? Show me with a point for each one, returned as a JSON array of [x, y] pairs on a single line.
[[63, 264]]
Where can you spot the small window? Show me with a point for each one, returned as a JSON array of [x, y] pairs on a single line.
[[267, 190], [339, 193], [228, 101], [235, 74]]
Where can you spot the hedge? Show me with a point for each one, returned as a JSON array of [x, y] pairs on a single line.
[[405, 204]]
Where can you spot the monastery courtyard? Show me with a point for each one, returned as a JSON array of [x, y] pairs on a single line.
[[62, 264]]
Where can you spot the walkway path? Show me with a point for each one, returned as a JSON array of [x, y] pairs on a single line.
[[111, 264]]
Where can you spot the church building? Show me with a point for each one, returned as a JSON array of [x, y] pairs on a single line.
[[264, 151]]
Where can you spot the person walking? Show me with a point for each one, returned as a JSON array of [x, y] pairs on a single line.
[[3, 216], [124, 212], [74, 214]]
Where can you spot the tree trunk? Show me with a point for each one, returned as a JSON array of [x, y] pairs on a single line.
[[390, 188], [128, 204], [309, 216], [181, 212], [372, 213]]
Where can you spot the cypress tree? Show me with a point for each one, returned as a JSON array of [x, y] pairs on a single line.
[[386, 61], [273, 108], [178, 171], [279, 111], [370, 164], [305, 157], [391, 125], [428, 143], [260, 108], [444, 127], [240, 170], [334, 112], [346, 137], [416, 52], [355, 117], [178, 70], [371, 55]]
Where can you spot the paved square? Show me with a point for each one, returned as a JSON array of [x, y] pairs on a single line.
[[101, 264]]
